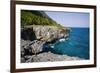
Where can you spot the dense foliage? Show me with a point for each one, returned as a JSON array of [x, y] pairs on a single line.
[[31, 18]]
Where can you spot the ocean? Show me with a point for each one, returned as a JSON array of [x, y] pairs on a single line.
[[77, 45]]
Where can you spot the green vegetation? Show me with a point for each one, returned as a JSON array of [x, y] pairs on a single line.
[[31, 18]]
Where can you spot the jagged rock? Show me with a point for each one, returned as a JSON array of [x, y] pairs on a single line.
[[33, 47], [33, 39], [45, 33], [49, 33], [37, 46], [48, 56]]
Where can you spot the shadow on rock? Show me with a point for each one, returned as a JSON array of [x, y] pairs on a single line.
[[28, 34]]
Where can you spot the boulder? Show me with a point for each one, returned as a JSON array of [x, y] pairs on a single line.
[[37, 46], [33, 47]]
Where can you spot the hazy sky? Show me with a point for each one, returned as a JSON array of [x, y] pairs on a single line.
[[70, 19]]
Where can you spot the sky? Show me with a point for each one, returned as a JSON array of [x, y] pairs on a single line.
[[70, 19]]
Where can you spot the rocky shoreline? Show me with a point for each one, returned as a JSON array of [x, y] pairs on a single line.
[[34, 47], [48, 57]]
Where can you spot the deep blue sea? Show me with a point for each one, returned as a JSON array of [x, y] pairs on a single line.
[[76, 45]]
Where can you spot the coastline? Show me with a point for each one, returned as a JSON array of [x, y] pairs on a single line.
[[49, 57]]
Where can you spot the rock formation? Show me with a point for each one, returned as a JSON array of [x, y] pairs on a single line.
[[34, 37], [50, 33], [42, 34]]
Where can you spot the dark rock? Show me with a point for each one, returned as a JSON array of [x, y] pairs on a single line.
[[28, 34]]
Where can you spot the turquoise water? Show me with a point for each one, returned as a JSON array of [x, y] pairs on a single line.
[[76, 45]]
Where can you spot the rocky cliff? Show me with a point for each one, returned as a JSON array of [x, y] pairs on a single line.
[[33, 38], [50, 33], [43, 33]]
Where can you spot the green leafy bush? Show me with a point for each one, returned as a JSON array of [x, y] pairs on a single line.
[[31, 18]]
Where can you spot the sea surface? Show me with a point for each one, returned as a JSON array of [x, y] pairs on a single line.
[[77, 45]]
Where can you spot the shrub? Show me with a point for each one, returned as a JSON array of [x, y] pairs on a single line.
[[30, 18]]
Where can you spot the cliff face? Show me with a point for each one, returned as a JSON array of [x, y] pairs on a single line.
[[50, 33], [44, 33], [33, 38]]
